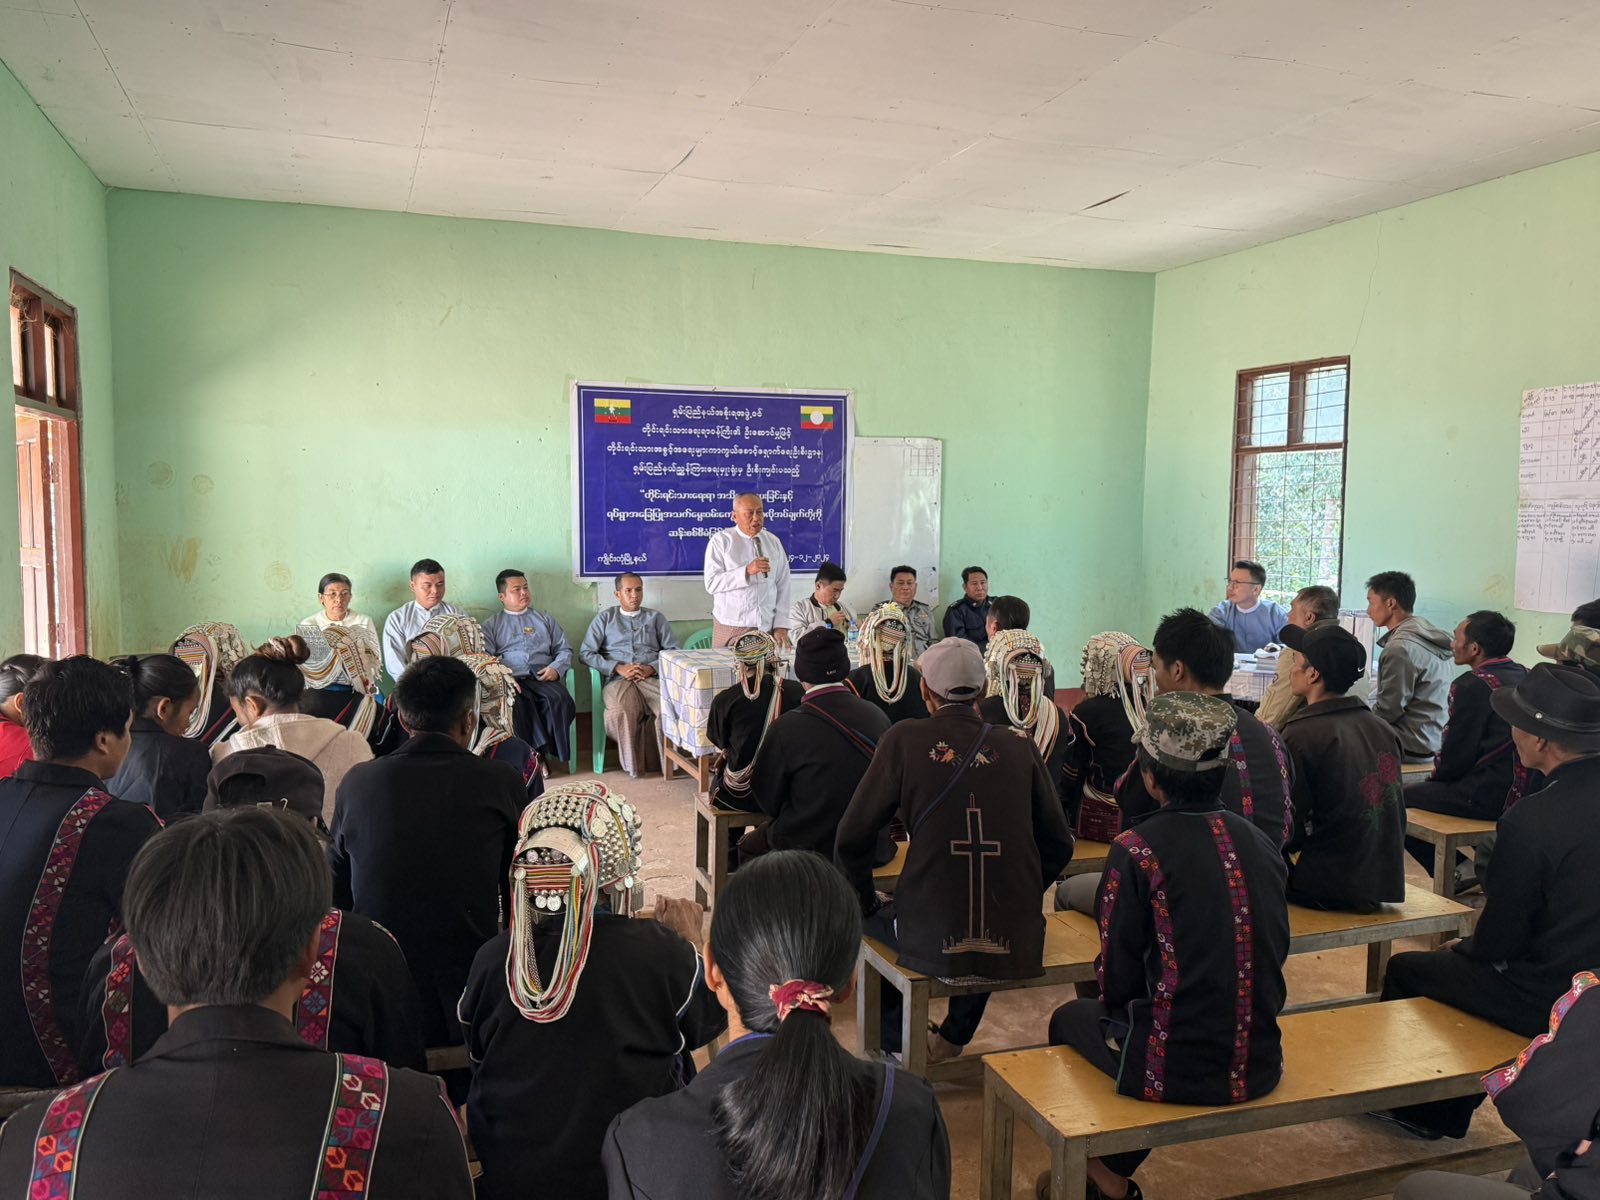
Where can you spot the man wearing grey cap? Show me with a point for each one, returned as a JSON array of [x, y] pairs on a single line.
[[1541, 915], [1191, 874], [1348, 845], [987, 838]]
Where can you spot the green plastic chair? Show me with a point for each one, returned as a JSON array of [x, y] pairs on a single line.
[[700, 640]]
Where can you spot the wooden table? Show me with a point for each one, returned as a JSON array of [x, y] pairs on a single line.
[[1448, 835], [1338, 1062]]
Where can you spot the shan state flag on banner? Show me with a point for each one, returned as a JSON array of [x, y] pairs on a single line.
[[816, 416], [609, 411]]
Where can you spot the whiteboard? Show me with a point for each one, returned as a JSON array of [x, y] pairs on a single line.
[[1558, 498], [896, 486]]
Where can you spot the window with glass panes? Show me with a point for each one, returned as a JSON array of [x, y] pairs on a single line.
[[1288, 473]]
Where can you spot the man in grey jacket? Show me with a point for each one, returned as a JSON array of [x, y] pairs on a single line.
[[1413, 688]]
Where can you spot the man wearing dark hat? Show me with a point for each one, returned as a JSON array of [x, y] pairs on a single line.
[[988, 836], [813, 756], [1192, 872], [1348, 845], [1579, 647], [1541, 917]]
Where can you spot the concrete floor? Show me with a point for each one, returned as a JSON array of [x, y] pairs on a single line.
[[1202, 1171]]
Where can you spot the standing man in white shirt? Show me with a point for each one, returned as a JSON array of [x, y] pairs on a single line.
[[404, 623], [747, 574]]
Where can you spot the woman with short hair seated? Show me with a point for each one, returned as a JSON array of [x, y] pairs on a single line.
[[345, 668], [265, 691], [784, 1112], [164, 770]]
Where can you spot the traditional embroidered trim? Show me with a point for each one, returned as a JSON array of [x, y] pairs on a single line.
[[355, 1119], [1105, 903], [55, 1148], [1282, 756], [38, 997], [116, 1010], [1247, 793], [1496, 1082], [314, 1011], [1155, 1053], [1243, 957]]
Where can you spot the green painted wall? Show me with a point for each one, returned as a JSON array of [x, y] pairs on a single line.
[[313, 389], [53, 230], [1448, 309]]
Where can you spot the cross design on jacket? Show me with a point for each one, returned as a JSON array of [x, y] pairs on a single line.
[[976, 850]]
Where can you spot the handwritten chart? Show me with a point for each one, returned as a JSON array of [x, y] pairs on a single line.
[[1558, 512]]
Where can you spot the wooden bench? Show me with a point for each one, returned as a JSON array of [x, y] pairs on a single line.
[[1072, 942], [887, 877], [447, 1058], [711, 826], [1448, 835], [1337, 1063], [1088, 858]]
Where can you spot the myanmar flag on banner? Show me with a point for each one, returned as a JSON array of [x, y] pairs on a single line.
[[816, 416], [613, 412]]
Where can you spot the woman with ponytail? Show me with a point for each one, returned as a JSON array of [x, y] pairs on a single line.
[[264, 690], [784, 1112], [15, 749], [164, 771]]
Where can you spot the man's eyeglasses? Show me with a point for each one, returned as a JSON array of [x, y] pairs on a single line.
[[1244, 582]]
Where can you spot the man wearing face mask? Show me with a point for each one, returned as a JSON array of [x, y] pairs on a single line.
[[747, 574]]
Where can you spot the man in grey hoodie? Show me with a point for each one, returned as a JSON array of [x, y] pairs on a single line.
[[1413, 688]]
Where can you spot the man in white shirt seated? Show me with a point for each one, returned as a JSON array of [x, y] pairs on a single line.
[[404, 623], [823, 606], [624, 644], [1252, 621], [747, 574]]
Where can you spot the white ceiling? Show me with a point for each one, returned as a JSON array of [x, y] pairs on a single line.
[[1134, 134]]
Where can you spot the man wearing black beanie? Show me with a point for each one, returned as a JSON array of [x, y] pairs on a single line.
[[814, 756]]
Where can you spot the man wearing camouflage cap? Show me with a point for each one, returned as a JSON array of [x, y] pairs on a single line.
[[1190, 874], [1579, 647]]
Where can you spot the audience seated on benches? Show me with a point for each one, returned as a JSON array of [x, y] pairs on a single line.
[[226, 912], [265, 691], [359, 997], [164, 770], [67, 845], [422, 839], [784, 1112], [743, 713], [886, 677], [576, 1011], [987, 837], [813, 756], [1549, 1098], [1117, 685], [1179, 1021], [1347, 849], [1016, 670], [1476, 773], [1541, 916]]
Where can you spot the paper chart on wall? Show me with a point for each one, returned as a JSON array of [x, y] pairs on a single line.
[[1558, 510]]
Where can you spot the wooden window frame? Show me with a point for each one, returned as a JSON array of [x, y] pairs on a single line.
[[1243, 451], [63, 424]]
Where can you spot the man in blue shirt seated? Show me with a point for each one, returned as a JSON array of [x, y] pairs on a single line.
[[624, 644], [536, 649], [968, 617], [1253, 621]]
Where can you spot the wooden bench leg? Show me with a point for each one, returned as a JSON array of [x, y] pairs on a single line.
[[1069, 1170], [1444, 867], [1377, 964], [869, 1011], [719, 860], [704, 829], [914, 1027], [999, 1129]]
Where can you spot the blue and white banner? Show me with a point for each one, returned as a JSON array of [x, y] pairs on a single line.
[[657, 469]]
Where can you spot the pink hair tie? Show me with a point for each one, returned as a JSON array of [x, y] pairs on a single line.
[[802, 994]]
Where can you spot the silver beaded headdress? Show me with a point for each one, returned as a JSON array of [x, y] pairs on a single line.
[[576, 844]]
